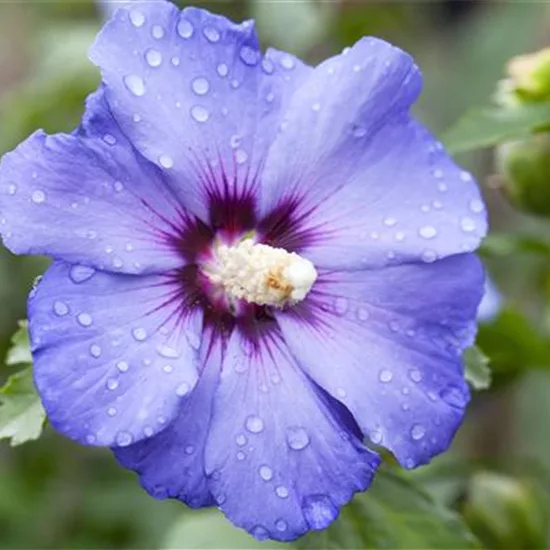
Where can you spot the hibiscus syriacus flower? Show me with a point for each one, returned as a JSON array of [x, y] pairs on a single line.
[[258, 266]]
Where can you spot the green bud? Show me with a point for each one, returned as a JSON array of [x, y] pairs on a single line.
[[530, 75], [525, 166], [504, 512]]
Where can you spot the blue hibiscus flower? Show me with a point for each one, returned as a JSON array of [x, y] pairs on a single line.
[[258, 264]]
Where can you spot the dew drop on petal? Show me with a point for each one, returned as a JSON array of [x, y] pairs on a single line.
[[281, 525], [182, 389], [454, 396], [166, 161], [267, 65], [211, 33], [297, 438], [341, 305], [241, 440], [222, 69], [38, 196], [417, 432], [415, 375], [139, 334], [189, 450], [109, 139], [266, 473], [84, 319], [254, 424], [123, 439], [135, 84], [153, 58], [362, 314], [122, 366], [60, 308], [476, 206], [259, 532], [157, 32], [281, 491], [112, 384], [111, 411], [429, 256], [385, 375], [185, 28], [240, 455], [319, 511], [95, 350], [137, 18], [199, 113], [427, 232], [241, 156], [200, 85], [287, 62], [375, 436], [249, 55], [467, 224]]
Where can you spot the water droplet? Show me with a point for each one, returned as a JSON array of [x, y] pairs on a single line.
[[157, 32], [135, 84], [189, 450], [316, 107], [467, 224], [118, 186], [148, 431], [95, 350], [122, 366], [375, 436], [267, 65], [166, 161], [409, 463], [466, 176], [182, 389], [429, 256], [400, 236], [91, 439], [199, 113], [211, 33], [437, 173], [341, 305], [112, 384], [259, 532], [123, 439], [442, 187], [84, 319], [359, 132], [415, 375], [266, 473], [319, 511], [136, 118], [185, 28], [418, 432], [139, 334], [38, 196], [153, 58], [454, 396], [385, 375], [297, 438], [249, 55], [281, 525], [287, 62], [476, 206], [390, 222], [281, 491], [427, 232], [341, 392], [362, 314], [168, 369], [109, 139], [200, 86], [235, 141], [137, 18], [270, 97], [240, 455], [117, 262], [254, 424], [111, 411], [60, 308], [241, 156], [235, 83]]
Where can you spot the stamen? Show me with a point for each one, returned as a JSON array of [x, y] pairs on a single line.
[[261, 274]]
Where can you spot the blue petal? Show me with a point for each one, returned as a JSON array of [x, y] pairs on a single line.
[[280, 459], [388, 344], [113, 354], [171, 464], [88, 198], [194, 95], [364, 183]]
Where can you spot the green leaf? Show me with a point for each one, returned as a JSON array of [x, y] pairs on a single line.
[[493, 125], [210, 529], [21, 413], [476, 366], [393, 514], [20, 351], [505, 244]]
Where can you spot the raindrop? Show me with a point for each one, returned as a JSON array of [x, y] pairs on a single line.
[[362, 314], [316, 107], [60, 308], [38, 196], [254, 424], [249, 55], [182, 389], [200, 86], [390, 222], [117, 262], [341, 392], [12, 189], [359, 132], [400, 236], [148, 431], [109, 139], [341, 305], [122, 366], [189, 450], [124, 439], [468, 225], [437, 173], [267, 65], [166, 161], [84, 319], [375, 436], [175, 61], [385, 375], [168, 369], [466, 176], [417, 432], [415, 375], [240, 455], [200, 114], [95, 350], [259, 532], [297, 438], [281, 525], [139, 334], [281, 491], [112, 384], [91, 439], [427, 232], [118, 186], [137, 18], [111, 411], [476, 206], [429, 256], [222, 69], [241, 156], [287, 62], [319, 511], [153, 58], [454, 396], [185, 28], [157, 31], [211, 33], [235, 141], [135, 84], [266, 473], [168, 352]]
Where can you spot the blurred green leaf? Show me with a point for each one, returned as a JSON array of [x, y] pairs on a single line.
[[20, 351], [493, 125], [21, 414], [505, 244], [394, 513], [210, 529], [477, 371]]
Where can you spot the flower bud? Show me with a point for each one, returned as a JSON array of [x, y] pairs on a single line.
[[504, 512], [525, 165]]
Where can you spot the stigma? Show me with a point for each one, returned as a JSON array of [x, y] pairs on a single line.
[[260, 274]]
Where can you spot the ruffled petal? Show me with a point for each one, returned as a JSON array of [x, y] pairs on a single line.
[[194, 95], [388, 344], [171, 464], [281, 456], [362, 183], [113, 354], [89, 198]]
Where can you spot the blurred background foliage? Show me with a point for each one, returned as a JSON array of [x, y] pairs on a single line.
[[492, 489]]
